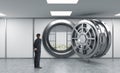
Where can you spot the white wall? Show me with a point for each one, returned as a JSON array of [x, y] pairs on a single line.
[[2, 38], [116, 23], [19, 38]]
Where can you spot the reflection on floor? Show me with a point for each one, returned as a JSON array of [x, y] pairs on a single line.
[[60, 66]]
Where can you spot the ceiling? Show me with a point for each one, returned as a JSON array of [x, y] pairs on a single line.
[[40, 8]]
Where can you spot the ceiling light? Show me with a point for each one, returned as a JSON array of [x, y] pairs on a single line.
[[117, 14], [62, 1], [60, 13], [2, 15]]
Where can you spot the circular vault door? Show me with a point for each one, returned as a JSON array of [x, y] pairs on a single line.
[[91, 38]]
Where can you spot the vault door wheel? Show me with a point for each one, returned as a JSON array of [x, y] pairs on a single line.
[[88, 37]]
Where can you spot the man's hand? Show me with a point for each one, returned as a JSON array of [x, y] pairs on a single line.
[[35, 49]]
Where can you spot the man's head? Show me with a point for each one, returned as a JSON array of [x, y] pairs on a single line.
[[38, 35]]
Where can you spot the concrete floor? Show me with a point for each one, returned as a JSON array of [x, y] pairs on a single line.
[[60, 66]]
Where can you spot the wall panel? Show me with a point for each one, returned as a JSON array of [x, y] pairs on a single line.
[[19, 38], [116, 23], [2, 38]]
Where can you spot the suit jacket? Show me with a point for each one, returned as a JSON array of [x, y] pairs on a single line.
[[37, 44]]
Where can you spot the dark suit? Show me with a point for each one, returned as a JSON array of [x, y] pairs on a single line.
[[37, 44]]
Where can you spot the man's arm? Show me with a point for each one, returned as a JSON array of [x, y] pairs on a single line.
[[35, 45]]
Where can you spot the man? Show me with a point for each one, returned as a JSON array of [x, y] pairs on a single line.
[[37, 50]]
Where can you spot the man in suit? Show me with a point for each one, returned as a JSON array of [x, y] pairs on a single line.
[[37, 50]]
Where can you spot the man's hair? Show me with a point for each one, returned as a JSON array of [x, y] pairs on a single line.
[[38, 35]]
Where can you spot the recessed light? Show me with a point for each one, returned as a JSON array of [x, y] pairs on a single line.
[[62, 1], [117, 14], [60, 13], [2, 15]]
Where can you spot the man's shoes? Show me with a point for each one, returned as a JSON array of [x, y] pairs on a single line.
[[39, 67]]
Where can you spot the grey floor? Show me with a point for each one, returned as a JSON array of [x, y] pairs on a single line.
[[60, 66]]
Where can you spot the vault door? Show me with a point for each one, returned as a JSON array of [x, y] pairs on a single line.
[[91, 39]]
